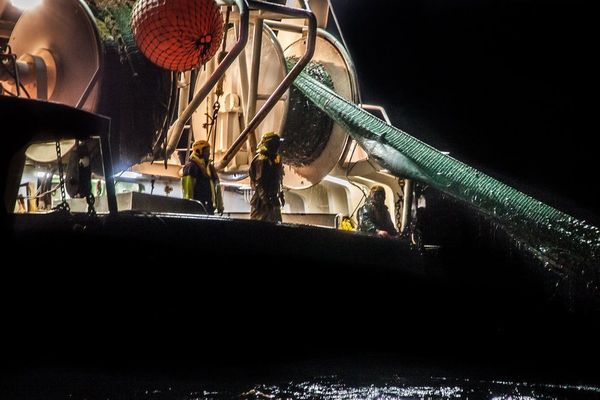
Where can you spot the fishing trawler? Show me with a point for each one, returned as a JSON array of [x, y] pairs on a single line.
[[100, 86]]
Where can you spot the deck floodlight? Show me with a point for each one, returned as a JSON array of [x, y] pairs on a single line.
[[26, 4]]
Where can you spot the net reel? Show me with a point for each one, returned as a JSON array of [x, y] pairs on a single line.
[[66, 54], [286, 117], [331, 56], [58, 54]]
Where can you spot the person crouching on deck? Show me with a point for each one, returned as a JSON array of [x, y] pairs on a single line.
[[374, 217]]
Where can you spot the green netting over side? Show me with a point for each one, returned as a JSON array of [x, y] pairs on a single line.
[[553, 235]]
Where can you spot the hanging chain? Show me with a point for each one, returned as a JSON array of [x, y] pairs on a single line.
[[63, 206], [215, 115], [219, 88], [90, 200], [399, 205], [211, 121], [213, 128]]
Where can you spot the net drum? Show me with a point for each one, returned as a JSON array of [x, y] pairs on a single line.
[[92, 62]]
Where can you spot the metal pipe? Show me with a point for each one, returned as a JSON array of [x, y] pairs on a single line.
[[184, 90], [92, 82], [88, 89], [337, 24], [339, 29], [184, 99], [243, 74], [262, 96], [373, 107], [407, 204], [41, 77], [254, 73], [111, 194], [176, 129], [282, 26], [18, 82], [289, 78]]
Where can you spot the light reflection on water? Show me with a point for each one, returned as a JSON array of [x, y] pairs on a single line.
[[397, 388], [378, 384]]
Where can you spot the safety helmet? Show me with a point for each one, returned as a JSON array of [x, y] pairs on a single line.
[[377, 191], [269, 142], [199, 145], [269, 135]]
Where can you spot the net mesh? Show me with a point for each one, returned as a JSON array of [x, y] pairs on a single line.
[[177, 34], [555, 237], [305, 138]]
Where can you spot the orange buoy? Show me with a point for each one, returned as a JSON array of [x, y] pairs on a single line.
[[177, 34]]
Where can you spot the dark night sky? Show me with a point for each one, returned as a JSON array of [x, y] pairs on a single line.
[[506, 86]]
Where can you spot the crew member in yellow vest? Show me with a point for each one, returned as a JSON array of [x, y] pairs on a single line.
[[200, 180]]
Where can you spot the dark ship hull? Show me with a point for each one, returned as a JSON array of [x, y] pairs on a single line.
[[110, 293]]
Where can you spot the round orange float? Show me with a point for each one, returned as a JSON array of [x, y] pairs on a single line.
[[177, 34]]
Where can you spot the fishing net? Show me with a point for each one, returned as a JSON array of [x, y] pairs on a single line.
[[307, 128], [177, 34], [559, 240]]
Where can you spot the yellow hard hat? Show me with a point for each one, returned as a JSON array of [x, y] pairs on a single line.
[[199, 145], [266, 137]]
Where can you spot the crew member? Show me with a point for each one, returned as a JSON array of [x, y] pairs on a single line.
[[200, 180], [266, 176], [374, 217]]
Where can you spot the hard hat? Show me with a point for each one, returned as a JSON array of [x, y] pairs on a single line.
[[267, 137], [375, 190], [269, 142], [199, 145]]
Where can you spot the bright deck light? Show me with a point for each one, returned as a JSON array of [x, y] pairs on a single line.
[[26, 4], [128, 175]]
